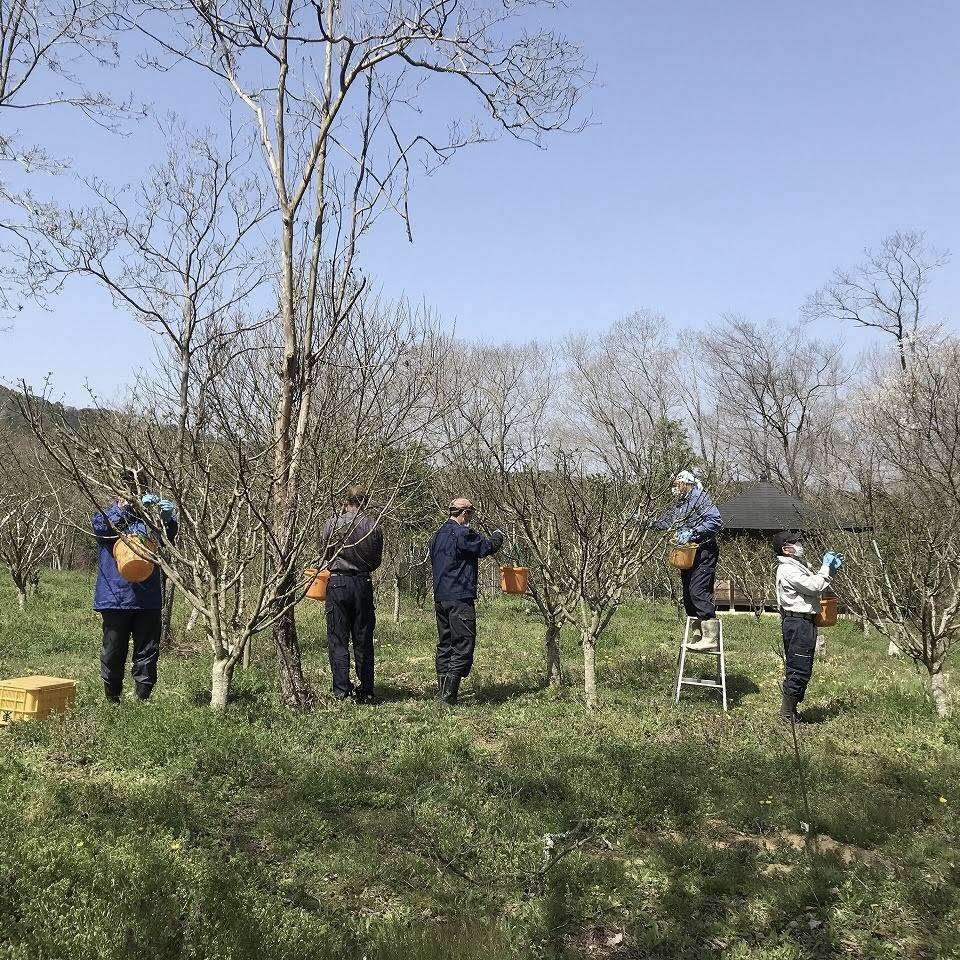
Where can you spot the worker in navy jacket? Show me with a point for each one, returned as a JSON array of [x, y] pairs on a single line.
[[455, 550], [130, 610], [696, 519]]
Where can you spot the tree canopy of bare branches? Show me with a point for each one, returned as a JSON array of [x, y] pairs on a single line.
[[776, 392], [886, 292]]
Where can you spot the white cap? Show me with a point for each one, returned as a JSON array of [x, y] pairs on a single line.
[[685, 476]]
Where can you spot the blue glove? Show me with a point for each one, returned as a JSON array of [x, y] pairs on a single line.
[[149, 499], [167, 508], [833, 560], [684, 535]]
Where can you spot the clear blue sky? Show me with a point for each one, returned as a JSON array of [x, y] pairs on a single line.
[[740, 151]]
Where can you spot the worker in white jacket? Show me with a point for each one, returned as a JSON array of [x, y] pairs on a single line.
[[799, 591]]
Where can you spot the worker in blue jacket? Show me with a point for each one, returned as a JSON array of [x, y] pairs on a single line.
[[455, 550], [130, 610], [696, 519]]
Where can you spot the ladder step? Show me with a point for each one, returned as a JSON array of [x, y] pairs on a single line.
[[700, 683]]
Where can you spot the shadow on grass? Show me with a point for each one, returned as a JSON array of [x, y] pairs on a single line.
[[386, 693], [822, 714], [497, 693], [738, 686]]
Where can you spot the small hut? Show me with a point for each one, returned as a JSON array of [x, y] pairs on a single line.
[[763, 509], [759, 511]]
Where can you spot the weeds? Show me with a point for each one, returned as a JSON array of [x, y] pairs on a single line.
[[410, 831]]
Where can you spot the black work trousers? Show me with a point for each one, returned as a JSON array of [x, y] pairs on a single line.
[[456, 637], [799, 646], [698, 582], [350, 617], [118, 627]]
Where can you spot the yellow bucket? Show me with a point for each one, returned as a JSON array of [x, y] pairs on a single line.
[[133, 567]]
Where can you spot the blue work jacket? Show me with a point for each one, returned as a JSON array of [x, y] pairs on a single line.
[[696, 511], [112, 592], [455, 550]]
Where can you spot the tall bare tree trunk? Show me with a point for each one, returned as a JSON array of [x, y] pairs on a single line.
[[21, 598], [396, 599], [554, 668], [293, 685]]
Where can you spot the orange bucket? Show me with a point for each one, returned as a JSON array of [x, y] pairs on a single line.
[[133, 567], [682, 555], [514, 579], [827, 616], [317, 589]]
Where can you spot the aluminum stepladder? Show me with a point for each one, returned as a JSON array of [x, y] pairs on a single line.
[[720, 683]]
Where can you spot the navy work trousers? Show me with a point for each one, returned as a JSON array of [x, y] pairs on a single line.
[[118, 628], [350, 617], [698, 582], [799, 645], [457, 637]]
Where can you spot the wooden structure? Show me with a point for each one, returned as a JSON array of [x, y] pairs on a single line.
[[759, 511]]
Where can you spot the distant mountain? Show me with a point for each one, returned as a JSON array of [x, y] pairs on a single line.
[[10, 410]]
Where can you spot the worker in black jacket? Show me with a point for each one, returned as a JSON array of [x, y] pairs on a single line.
[[354, 550], [455, 550]]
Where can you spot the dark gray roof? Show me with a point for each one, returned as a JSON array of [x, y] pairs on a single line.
[[763, 506]]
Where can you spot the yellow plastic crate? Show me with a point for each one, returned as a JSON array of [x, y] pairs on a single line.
[[30, 698]]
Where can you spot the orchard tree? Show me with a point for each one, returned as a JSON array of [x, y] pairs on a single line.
[[227, 560], [887, 292], [338, 96], [179, 253]]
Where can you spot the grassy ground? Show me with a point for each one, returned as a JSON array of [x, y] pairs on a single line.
[[409, 831]]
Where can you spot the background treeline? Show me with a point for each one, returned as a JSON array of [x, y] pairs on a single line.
[[569, 446]]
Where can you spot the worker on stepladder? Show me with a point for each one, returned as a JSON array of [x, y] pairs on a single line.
[[354, 550], [799, 591], [696, 519], [130, 610], [455, 550]]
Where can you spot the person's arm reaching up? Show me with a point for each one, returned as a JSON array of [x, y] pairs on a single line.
[[475, 544], [811, 584], [107, 523]]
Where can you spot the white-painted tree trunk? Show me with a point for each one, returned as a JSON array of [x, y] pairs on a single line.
[[940, 692], [221, 679]]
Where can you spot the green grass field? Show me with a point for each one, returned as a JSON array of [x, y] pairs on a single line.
[[409, 831]]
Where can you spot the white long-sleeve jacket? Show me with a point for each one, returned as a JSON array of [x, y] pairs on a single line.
[[799, 589]]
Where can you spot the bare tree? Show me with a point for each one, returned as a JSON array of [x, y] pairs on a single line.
[[332, 123], [905, 577], [623, 445], [746, 563], [179, 252], [775, 392], [887, 292], [903, 492], [227, 560], [29, 529], [502, 439], [574, 451], [46, 49]]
